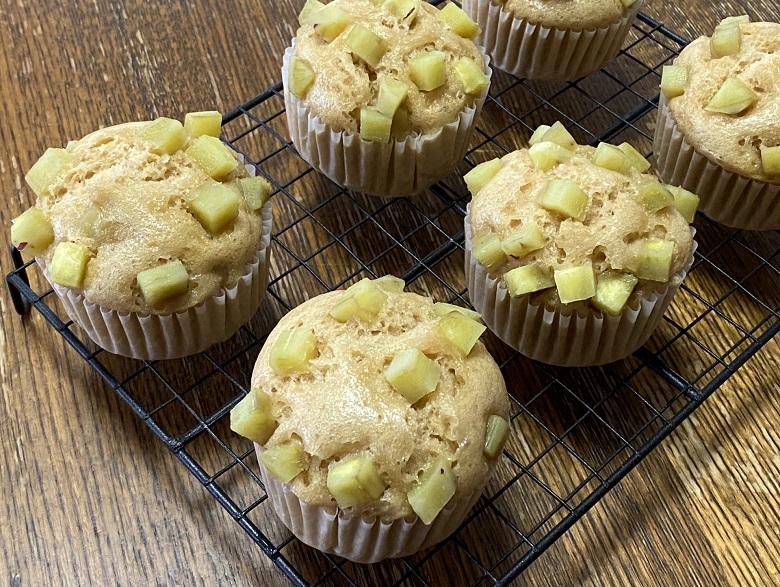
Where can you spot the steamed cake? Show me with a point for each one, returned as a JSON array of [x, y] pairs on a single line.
[[552, 39], [719, 155], [606, 241], [425, 135], [134, 249], [343, 405]]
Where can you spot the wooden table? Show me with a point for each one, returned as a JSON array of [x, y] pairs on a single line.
[[91, 497]]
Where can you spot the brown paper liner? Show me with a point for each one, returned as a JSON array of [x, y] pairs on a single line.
[[170, 336], [358, 538], [562, 337], [398, 168], [535, 51], [726, 197]]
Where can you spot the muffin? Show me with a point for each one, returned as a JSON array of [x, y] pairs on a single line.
[[153, 235], [717, 132], [573, 253], [382, 97], [552, 39], [378, 417]]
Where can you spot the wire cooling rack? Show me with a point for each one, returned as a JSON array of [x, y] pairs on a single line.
[[575, 432]]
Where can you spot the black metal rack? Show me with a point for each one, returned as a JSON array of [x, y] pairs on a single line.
[[575, 432]]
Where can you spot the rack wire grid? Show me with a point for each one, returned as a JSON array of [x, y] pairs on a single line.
[[575, 432]]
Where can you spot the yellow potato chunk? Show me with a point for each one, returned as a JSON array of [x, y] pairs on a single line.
[[638, 161], [685, 202], [441, 309], [404, 10], [563, 196], [496, 434], [654, 196], [215, 206], [428, 70], [486, 249], [526, 239], [208, 122], [256, 191], [654, 259], [284, 461], [558, 134], [726, 40], [527, 279], [252, 417], [471, 75], [402, 125], [366, 44], [770, 160], [329, 22], [164, 281], [90, 222], [46, 169], [412, 374], [461, 330], [392, 93], [610, 157], [164, 135], [68, 265], [434, 491], [390, 283], [575, 283], [354, 481], [674, 78], [613, 288], [375, 126], [292, 351], [212, 156], [733, 97], [478, 177], [546, 155], [300, 77], [459, 22], [537, 135], [363, 300], [31, 231], [309, 8]]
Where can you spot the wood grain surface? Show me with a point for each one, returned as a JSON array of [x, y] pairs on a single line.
[[91, 497]]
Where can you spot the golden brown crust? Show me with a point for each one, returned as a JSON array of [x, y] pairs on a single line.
[[144, 221], [732, 141], [344, 405], [568, 14], [344, 84]]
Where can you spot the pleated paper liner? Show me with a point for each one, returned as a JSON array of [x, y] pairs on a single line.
[[535, 51], [726, 197]]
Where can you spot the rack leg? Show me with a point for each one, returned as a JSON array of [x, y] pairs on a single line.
[[21, 304]]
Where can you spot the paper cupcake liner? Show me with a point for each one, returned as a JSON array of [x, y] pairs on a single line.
[[561, 337], [535, 51], [397, 168], [726, 197], [358, 538], [170, 336]]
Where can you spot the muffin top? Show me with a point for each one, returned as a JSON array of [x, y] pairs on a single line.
[[732, 140], [344, 83], [554, 208], [569, 14], [142, 195], [340, 404]]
